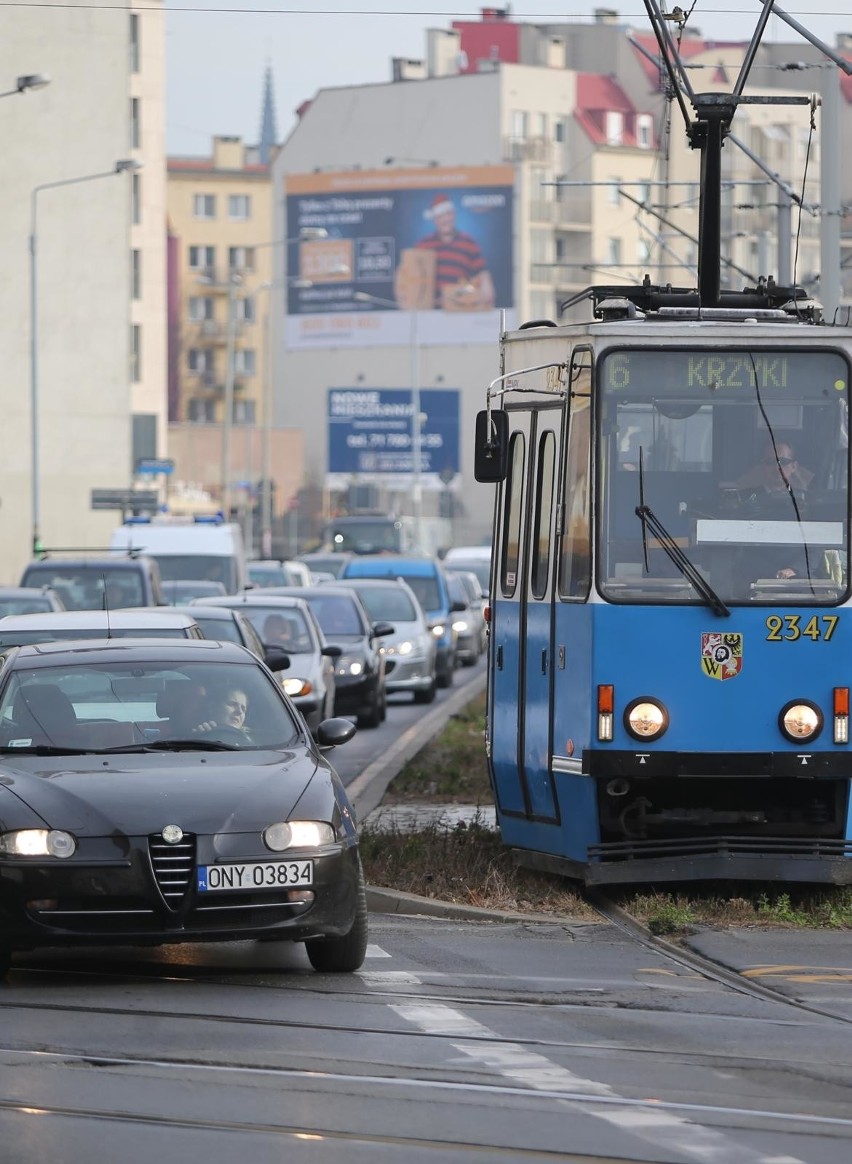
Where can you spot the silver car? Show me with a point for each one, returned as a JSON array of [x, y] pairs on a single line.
[[290, 624], [411, 651], [161, 622]]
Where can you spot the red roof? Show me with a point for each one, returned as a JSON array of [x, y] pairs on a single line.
[[689, 47], [205, 165], [598, 95]]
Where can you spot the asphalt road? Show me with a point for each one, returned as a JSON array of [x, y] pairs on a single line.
[[459, 1040]]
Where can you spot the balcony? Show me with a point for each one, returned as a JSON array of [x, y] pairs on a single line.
[[528, 149]]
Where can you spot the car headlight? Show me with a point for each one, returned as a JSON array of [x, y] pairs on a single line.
[[296, 686], [461, 627], [645, 718], [298, 834], [800, 721], [438, 630], [38, 843], [349, 665]]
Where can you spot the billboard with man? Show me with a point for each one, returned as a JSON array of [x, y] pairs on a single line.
[[435, 243]]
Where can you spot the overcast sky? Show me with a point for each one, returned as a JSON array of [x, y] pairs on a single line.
[[218, 49]]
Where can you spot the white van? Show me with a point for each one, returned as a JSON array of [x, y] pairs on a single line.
[[188, 548]]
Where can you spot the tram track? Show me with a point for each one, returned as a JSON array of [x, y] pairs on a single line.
[[607, 909]]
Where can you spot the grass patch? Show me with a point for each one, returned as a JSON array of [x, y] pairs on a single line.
[[467, 863]]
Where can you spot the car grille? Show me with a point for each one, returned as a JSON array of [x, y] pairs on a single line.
[[173, 866]]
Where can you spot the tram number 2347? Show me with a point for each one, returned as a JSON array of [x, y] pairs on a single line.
[[788, 627]]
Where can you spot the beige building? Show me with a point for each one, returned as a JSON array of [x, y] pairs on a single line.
[[83, 346], [221, 259]]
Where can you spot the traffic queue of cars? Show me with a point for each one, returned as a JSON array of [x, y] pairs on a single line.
[[163, 769]]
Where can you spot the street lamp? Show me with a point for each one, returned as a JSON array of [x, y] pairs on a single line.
[[414, 356], [26, 82], [124, 165]]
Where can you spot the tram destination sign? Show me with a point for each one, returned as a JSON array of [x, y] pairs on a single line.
[[651, 372]]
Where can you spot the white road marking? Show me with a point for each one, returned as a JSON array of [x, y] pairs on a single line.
[[660, 1127], [376, 952], [388, 978]]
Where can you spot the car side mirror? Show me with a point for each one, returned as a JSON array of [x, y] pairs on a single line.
[[332, 652], [491, 450], [275, 658], [457, 607], [333, 732], [380, 629]]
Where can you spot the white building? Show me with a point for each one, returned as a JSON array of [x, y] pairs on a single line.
[[97, 368]]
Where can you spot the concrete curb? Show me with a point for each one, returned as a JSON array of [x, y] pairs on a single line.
[[367, 789], [392, 901]]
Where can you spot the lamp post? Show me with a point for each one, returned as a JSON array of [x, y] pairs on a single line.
[[124, 165], [414, 358], [26, 82]]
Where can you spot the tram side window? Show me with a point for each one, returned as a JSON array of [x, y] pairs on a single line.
[[513, 511], [575, 573], [543, 514]]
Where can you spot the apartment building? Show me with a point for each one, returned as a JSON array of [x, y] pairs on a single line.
[[221, 247], [82, 297]]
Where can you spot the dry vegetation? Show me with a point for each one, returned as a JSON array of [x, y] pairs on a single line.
[[466, 862]]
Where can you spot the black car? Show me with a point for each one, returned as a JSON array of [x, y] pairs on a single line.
[[134, 812], [360, 670]]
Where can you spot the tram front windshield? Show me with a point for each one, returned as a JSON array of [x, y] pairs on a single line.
[[738, 463]]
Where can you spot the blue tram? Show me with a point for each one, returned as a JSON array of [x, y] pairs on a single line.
[[670, 653]]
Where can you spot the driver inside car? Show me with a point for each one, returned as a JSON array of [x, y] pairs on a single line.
[[226, 708]]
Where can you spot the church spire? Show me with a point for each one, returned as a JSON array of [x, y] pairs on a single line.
[[268, 126]]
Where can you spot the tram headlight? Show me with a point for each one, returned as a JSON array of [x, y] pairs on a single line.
[[645, 718], [800, 721]]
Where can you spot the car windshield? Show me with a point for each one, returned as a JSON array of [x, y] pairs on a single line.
[[225, 630], [89, 587], [203, 567], [393, 605], [98, 706], [24, 606], [268, 575], [425, 590], [482, 570], [182, 591], [281, 627], [336, 615], [22, 638]]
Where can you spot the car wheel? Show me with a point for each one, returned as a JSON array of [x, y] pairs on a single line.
[[445, 679], [343, 955], [384, 705], [427, 696], [372, 717]]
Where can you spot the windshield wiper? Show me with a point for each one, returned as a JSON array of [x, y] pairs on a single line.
[[180, 746], [43, 750], [648, 518]]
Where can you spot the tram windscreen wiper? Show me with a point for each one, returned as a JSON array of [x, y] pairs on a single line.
[[650, 521]]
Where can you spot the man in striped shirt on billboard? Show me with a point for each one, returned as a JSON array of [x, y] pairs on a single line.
[[462, 281]]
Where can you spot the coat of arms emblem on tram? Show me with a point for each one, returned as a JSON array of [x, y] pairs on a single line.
[[721, 655]]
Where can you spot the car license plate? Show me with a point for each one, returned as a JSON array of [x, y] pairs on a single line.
[[254, 875]]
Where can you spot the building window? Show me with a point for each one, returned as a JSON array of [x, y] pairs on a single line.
[[644, 193], [134, 42], [519, 124], [614, 128], [244, 362], [200, 308], [644, 131], [613, 249], [239, 207], [202, 258], [135, 127], [135, 353], [540, 125], [201, 411], [244, 308], [199, 360], [135, 274], [643, 251], [540, 246], [244, 412], [136, 199], [613, 193], [560, 132], [240, 258], [204, 205]]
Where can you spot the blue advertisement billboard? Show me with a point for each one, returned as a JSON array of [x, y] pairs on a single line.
[[371, 430], [368, 250]]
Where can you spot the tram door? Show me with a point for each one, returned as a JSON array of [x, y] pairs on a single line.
[[522, 686]]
